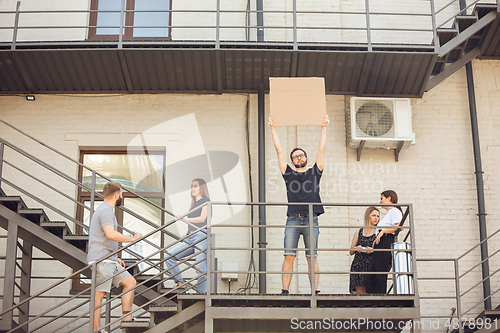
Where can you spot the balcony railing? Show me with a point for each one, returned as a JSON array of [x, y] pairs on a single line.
[[360, 23]]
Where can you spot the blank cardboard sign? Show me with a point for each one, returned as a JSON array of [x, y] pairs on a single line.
[[297, 101]]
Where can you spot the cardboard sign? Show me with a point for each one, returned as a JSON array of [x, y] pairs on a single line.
[[297, 101]]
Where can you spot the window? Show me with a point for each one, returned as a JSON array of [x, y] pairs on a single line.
[[140, 173], [106, 24]]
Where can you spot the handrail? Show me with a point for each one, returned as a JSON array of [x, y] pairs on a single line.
[[418, 12], [458, 13], [207, 273], [91, 265], [458, 276], [67, 177]]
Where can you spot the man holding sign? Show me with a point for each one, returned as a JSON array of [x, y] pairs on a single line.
[[302, 185]]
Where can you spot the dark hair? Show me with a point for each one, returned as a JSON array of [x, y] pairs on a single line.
[[295, 149], [111, 188], [394, 197], [203, 190]]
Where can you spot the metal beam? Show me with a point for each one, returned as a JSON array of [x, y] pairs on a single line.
[[309, 313], [10, 270], [25, 282], [448, 71], [198, 328], [179, 318], [483, 234], [44, 240], [262, 187], [466, 34], [486, 42]]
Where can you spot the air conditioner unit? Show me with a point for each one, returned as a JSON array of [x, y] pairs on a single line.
[[379, 123]]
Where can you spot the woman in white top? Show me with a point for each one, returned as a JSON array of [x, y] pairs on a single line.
[[382, 260]]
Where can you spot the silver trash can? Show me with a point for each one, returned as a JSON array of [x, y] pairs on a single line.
[[402, 264]]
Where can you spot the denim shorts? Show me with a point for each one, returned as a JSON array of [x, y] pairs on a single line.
[[292, 235]]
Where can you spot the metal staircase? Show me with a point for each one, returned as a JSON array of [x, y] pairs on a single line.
[[470, 36], [29, 228], [33, 227]]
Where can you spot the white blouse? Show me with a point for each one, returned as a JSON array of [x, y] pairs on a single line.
[[393, 217]]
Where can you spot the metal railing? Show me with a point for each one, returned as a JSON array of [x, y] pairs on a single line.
[[211, 272], [368, 26], [458, 319], [27, 171], [211, 250]]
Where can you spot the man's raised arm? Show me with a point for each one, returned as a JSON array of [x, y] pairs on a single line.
[[320, 157], [277, 145]]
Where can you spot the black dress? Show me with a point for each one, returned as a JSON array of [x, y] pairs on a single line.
[[382, 262], [362, 262]]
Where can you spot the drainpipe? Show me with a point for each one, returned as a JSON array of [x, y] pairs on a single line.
[[262, 188], [260, 21], [480, 188]]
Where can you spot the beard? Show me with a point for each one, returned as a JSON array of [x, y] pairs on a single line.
[[119, 202], [300, 165]]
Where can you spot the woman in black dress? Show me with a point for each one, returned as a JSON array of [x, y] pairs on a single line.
[[361, 244]]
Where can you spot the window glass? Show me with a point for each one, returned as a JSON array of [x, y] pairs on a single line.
[[138, 173], [86, 215], [133, 224], [109, 19], [151, 19]]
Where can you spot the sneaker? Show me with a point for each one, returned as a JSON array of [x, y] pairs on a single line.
[[285, 292], [317, 292]]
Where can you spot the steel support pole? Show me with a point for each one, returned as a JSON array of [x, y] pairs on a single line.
[[26, 265], [2, 149], [92, 197], [260, 21], [262, 188], [368, 29], [92, 297], [16, 26], [480, 187], [209, 323], [122, 16], [10, 272], [457, 294], [312, 258]]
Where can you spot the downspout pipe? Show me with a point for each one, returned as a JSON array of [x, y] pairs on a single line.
[[262, 188], [260, 21], [480, 187]]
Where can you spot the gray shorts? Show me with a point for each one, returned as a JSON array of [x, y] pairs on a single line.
[[106, 270]]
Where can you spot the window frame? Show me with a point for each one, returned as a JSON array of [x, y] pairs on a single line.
[[83, 196], [129, 22]]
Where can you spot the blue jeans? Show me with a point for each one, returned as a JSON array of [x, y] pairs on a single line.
[[292, 235], [184, 249]]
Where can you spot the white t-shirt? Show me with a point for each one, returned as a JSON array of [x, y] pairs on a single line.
[[393, 217]]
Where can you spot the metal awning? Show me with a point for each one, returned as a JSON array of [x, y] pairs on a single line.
[[401, 72]]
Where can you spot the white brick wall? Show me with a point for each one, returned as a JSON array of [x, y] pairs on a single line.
[[436, 175]]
